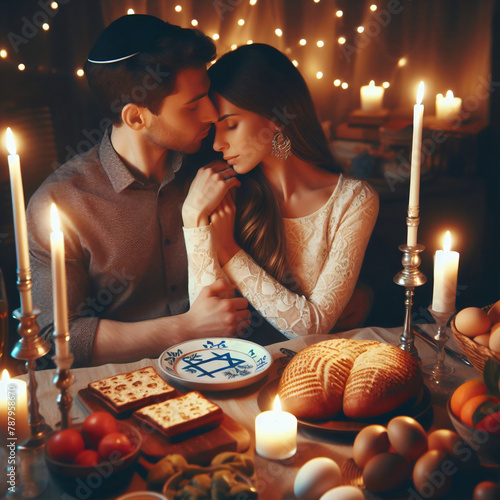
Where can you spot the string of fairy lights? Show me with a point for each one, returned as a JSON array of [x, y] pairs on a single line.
[[278, 32]]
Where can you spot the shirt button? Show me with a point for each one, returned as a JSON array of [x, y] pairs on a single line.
[[166, 241], [174, 288]]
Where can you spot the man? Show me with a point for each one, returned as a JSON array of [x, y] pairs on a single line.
[[120, 204]]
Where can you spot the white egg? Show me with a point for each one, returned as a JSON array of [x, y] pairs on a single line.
[[344, 493], [316, 477]]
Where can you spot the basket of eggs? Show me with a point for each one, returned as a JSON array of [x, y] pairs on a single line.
[[477, 332]]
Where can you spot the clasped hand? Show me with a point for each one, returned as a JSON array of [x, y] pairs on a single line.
[[207, 190]]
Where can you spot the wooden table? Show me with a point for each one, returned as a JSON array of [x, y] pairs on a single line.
[[274, 479]]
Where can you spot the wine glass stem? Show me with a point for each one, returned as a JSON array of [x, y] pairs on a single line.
[[441, 339]]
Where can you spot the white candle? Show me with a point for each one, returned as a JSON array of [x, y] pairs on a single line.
[[447, 107], [371, 97], [60, 297], [445, 278], [416, 146], [19, 212], [14, 421], [276, 433]]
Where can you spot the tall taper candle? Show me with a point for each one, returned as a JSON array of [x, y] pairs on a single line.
[[19, 212], [60, 297], [416, 146]]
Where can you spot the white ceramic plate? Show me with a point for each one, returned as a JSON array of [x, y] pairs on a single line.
[[215, 364]]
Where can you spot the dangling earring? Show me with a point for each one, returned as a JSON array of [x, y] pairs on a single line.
[[281, 146]]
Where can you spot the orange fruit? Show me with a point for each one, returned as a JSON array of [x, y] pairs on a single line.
[[465, 392], [470, 407]]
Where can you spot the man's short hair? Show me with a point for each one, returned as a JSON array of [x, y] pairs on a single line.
[[136, 60]]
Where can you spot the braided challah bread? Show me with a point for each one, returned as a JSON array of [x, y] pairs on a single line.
[[363, 378]]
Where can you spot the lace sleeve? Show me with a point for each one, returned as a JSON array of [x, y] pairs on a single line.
[[203, 265], [348, 231]]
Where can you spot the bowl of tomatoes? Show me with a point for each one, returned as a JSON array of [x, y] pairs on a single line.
[[95, 458]]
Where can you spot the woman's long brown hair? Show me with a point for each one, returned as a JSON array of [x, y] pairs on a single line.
[[259, 78]]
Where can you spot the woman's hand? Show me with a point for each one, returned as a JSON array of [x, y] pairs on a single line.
[[207, 190], [222, 220]]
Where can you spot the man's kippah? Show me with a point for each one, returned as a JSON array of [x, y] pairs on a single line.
[[126, 37]]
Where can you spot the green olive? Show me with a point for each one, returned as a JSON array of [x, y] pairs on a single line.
[[243, 491], [178, 461], [202, 481], [222, 480], [159, 474], [191, 492]]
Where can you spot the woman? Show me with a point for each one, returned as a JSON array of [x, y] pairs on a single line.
[[293, 240]]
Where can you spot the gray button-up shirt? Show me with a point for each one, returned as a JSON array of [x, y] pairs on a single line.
[[125, 253]]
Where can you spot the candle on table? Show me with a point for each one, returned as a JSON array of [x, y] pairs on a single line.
[[14, 421], [416, 145], [371, 97], [447, 107], [60, 297], [445, 278], [276, 433], [19, 212]]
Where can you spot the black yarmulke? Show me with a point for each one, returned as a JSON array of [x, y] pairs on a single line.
[[126, 37]]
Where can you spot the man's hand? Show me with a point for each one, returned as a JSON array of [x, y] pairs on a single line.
[[206, 191], [213, 316]]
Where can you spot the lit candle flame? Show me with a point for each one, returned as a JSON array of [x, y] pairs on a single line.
[[420, 93], [54, 218], [277, 404], [5, 376], [11, 145], [449, 94], [447, 242], [372, 83]]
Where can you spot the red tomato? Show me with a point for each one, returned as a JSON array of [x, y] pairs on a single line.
[[490, 423], [87, 458], [114, 446], [65, 445], [96, 426]]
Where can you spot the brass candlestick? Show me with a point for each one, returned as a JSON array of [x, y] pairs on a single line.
[[410, 277], [30, 348], [63, 380]]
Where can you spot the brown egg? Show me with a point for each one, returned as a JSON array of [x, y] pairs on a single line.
[[385, 472], [369, 442], [494, 343], [494, 313], [486, 490], [472, 321], [483, 339], [450, 442], [433, 472], [407, 437]]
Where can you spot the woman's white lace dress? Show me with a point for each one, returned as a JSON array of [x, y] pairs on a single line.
[[325, 251]]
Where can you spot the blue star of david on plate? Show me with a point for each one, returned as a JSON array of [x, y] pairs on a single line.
[[201, 364]]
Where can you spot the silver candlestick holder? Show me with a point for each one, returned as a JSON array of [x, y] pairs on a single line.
[[410, 277]]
